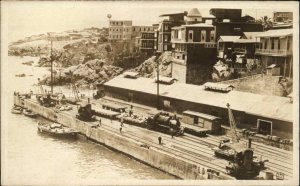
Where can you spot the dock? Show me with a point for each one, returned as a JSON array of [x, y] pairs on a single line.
[[186, 157]]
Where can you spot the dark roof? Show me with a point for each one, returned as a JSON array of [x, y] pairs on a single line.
[[174, 14]]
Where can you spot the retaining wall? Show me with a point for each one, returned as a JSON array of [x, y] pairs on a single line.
[[155, 156]]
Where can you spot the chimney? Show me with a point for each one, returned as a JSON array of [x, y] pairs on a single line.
[[249, 143]]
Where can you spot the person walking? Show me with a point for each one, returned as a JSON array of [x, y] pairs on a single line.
[[99, 122]]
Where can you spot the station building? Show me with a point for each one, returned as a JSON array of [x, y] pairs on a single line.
[[271, 115]]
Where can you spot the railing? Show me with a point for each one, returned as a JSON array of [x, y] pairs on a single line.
[[242, 50], [274, 52]]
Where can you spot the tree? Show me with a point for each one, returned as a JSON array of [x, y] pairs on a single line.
[[266, 22]]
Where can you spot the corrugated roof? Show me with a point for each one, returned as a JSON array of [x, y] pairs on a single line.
[[262, 105], [276, 33], [228, 38]]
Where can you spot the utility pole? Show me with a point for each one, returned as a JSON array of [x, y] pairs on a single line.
[[157, 79], [51, 60]]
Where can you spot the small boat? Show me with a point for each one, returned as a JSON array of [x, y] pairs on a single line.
[[56, 129], [30, 113], [16, 110]]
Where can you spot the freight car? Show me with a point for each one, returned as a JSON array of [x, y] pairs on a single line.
[[200, 124]]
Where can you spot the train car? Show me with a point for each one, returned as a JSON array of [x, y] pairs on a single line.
[[200, 124], [106, 113], [114, 107]]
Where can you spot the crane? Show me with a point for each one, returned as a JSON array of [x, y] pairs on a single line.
[[75, 92], [232, 123]]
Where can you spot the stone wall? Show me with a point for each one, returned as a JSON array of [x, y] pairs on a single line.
[[156, 156]]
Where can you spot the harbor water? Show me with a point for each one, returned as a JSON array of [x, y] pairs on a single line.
[[29, 157]]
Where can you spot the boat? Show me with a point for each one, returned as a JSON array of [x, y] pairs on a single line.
[[56, 129], [30, 113], [16, 110]]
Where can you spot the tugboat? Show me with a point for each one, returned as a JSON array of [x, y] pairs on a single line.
[[30, 113], [16, 110], [56, 129]]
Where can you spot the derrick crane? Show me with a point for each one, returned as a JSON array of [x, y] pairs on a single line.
[[75, 92], [232, 123]]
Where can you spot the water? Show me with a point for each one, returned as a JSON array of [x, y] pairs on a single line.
[[32, 158]]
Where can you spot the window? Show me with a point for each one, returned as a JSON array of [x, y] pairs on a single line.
[[272, 43], [166, 27], [167, 103], [191, 35], [148, 29], [134, 29], [212, 36], [278, 44], [140, 29], [165, 47], [266, 44], [165, 37], [195, 19], [288, 43], [203, 35], [183, 56]]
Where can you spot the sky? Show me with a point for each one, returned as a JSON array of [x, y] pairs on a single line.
[[27, 18]]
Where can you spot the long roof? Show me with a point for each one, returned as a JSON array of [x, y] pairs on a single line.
[[276, 33], [261, 105]]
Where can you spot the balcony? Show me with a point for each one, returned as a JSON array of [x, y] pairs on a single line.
[[273, 52]]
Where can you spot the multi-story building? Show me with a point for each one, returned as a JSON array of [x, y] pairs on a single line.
[[164, 30], [194, 52], [120, 30], [276, 47], [147, 42], [282, 16], [123, 30], [229, 22]]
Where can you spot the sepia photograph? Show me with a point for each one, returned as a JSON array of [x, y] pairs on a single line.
[[149, 92]]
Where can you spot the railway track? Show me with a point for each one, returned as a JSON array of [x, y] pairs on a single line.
[[197, 149]]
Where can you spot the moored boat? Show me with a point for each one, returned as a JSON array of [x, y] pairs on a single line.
[[16, 110], [30, 113], [56, 129]]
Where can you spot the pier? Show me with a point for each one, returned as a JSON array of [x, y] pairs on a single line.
[[186, 157]]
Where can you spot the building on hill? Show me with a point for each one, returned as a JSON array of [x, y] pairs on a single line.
[[229, 22], [194, 52], [276, 47], [147, 42], [164, 30], [124, 30]]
